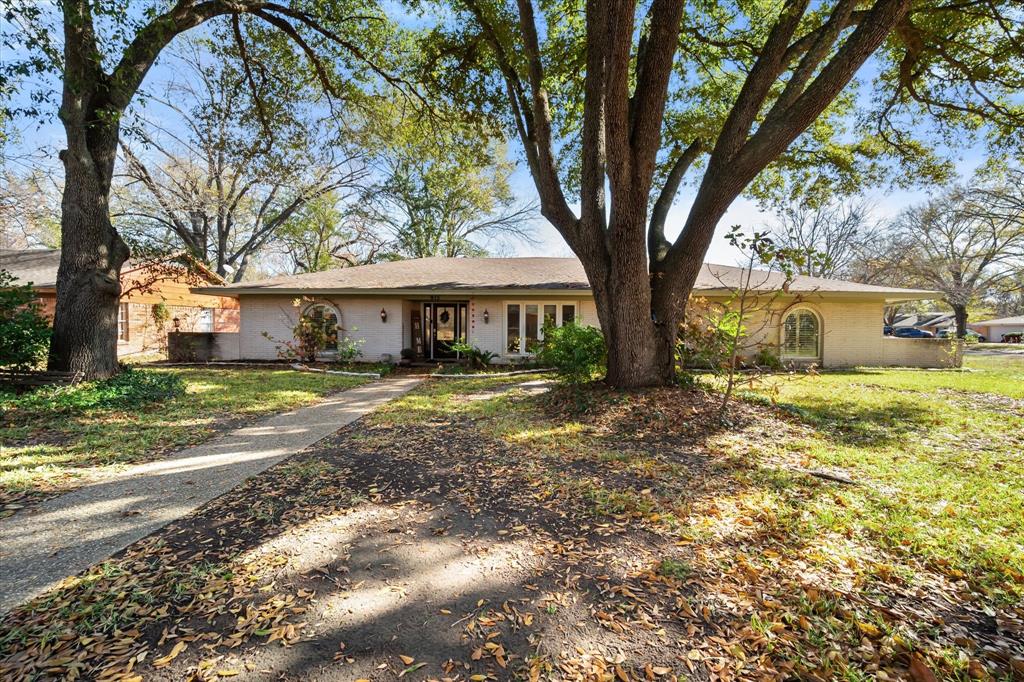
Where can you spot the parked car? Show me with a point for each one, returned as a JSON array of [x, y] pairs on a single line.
[[887, 330], [971, 335], [912, 333]]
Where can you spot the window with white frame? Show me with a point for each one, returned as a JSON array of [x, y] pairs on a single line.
[[123, 321], [525, 322], [801, 335], [326, 318]]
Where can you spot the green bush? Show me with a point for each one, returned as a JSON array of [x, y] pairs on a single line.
[[766, 357], [477, 358], [128, 389], [577, 353], [24, 331]]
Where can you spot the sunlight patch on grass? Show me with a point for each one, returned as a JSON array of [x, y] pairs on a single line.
[[42, 449]]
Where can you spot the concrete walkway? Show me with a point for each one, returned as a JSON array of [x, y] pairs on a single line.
[[67, 534]]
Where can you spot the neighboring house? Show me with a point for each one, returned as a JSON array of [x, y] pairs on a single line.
[[501, 305], [930, 322], [1000, 329], [145, 285]]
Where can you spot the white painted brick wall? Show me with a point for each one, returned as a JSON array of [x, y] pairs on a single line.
[[852, 332], [360, 319], [852, 328]]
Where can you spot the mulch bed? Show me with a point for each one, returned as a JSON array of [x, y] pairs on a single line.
[[651, 566]]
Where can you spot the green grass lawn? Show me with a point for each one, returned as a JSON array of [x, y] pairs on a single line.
[[654, 526], [47, 447], [940, 455]]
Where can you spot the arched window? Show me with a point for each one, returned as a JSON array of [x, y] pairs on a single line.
[[325, 317], [801, 335]]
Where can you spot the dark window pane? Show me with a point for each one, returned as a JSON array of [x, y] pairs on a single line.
[[532, 327], [512, 327], [568, 314], [550, 312]]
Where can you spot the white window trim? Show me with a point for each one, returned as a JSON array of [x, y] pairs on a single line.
[[337, 327], [124, 307], [782, 334], [540, 321]]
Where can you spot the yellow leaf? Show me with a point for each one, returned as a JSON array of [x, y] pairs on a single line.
[[408, 660], [165, 660], [227, 672], [869, 629]]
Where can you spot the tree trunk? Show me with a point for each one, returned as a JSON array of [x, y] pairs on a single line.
[[960, 316], [640, 334], [88, 279], [641, 344]]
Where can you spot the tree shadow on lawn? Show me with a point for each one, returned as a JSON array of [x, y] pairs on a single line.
[[852, 423], [368, 535]]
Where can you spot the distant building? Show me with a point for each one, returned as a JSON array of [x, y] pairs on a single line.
[[146, 285], [1002, 329]]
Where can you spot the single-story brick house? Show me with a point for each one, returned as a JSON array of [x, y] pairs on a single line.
[[1001, 329], [145, 285], [502, 304]]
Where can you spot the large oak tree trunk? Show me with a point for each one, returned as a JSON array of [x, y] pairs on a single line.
[[88, 279], [640, 329], [640, 337]]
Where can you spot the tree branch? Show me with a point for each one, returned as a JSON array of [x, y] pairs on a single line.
[[657, 245]]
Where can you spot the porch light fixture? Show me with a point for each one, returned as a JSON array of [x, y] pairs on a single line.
[[383, 315], [177, 323], [487, 316]]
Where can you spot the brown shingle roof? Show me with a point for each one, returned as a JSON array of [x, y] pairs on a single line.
[[38, 266], [539, 274]]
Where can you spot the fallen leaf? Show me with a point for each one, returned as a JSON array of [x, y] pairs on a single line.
[[165, 660], [920, 671]]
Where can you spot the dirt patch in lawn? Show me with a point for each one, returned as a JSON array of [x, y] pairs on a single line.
[[471, 547]]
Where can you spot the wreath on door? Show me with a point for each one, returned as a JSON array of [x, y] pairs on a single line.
[[444, 316]]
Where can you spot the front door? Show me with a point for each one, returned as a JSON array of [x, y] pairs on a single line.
[[445, 323]]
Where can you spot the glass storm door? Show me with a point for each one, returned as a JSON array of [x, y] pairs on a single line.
[[446, 324]]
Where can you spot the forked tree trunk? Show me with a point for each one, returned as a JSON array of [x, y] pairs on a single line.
[[88, 279], [640, 333], [641, 339]]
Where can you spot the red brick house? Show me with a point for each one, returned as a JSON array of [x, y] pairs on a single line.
[[155, 299]]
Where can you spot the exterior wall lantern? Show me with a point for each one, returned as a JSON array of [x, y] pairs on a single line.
[[487, 316], [383, 315], [177, 323]]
